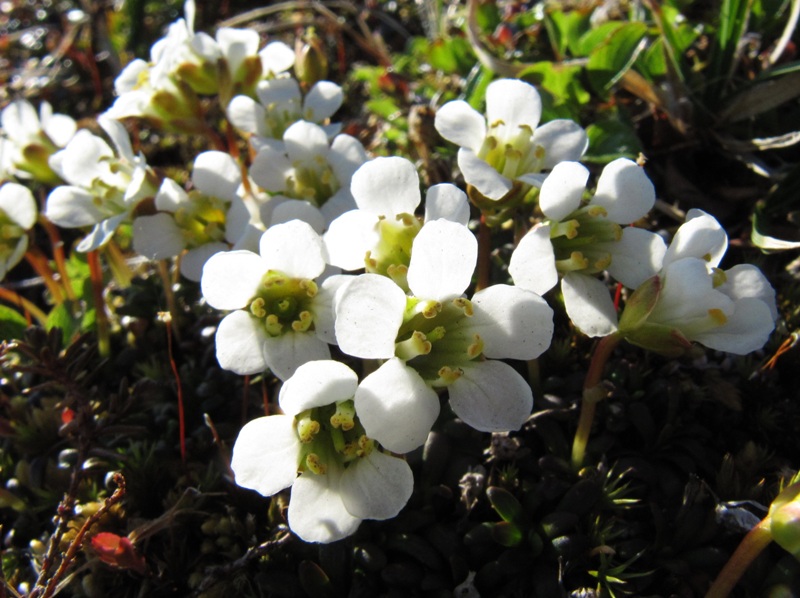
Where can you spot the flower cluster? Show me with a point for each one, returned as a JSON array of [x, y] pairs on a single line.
[[314, 249]]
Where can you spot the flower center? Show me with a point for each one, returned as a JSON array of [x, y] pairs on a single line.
[[436, 339], [511, 153], [392, 254], [330, 433], [202, 220], [313, 181], [284, 303], [579, 240]]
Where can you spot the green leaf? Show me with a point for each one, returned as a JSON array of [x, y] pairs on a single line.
[[61, 317], [12, 324], [506, 505], [640, 305], [506, 534], [565, 30], [612, 138], [563, 83], [617, 52]]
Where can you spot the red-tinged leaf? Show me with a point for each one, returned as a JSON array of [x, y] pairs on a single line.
[[118, 551]]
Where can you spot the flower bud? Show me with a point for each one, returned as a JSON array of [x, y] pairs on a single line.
[[784, 517], [311, 64]]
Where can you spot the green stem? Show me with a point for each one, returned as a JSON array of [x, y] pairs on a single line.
[[101, 316], [118, 264], [19, 301], [593, 393], [749, 548]]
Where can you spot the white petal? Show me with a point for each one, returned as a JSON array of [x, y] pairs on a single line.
[[324, 306], [170, 196], [368, 316], [305, 141], [265, 454], [589, 304], [194, 260], [386, 187], [59, 128], [316, 511], [533, 262], [563, 189], [157, 237], [295, 249], [119, 137], [322, 100], [17, 202], [217, 174], [270, 169], [491, 396], [349, 237], [237, 45], [346, 156], [315, 384], [79, 162], [443, 258], [285, 353], [396, 407], [624, 191], [276, 58], [101, 233], [295, 209], [278, 91], [746, 330], [337, 204], [513, 102], [447, 201], [377, 486], [240, 342], [701, 236], [247, 115], [636, 257], [562, 140], [513, 323], [746, 280], [687, 294], [72, 207], [482, 176], [20, 121], [231, 278], [460, 123]]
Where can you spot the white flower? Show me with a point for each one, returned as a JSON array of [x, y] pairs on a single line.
[[438, 338], [17, 216], [508, 144], [28, 140], [282, 318], [308, 167], [378, 235], [281, 104], [344, 477], [211, 218], [587, 237], [690, 299], [104, 186]]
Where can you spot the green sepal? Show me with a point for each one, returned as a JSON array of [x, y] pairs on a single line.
[[640, 305]]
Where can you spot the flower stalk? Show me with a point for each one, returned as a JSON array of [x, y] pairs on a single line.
[[592, 394], [101, 316], [756, 540]]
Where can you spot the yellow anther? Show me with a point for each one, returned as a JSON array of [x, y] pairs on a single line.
[[448, 375], [595, 211], [307, 429], [344, 417], [432, 309], [718, 277], [465, 305], [273, 325], [257, 308], [476, 348], [718, 316], [315, 464], [304, 323]]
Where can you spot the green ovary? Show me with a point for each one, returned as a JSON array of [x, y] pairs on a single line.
[[284, 303], [331, 433], [202, 220], [437, 340]]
